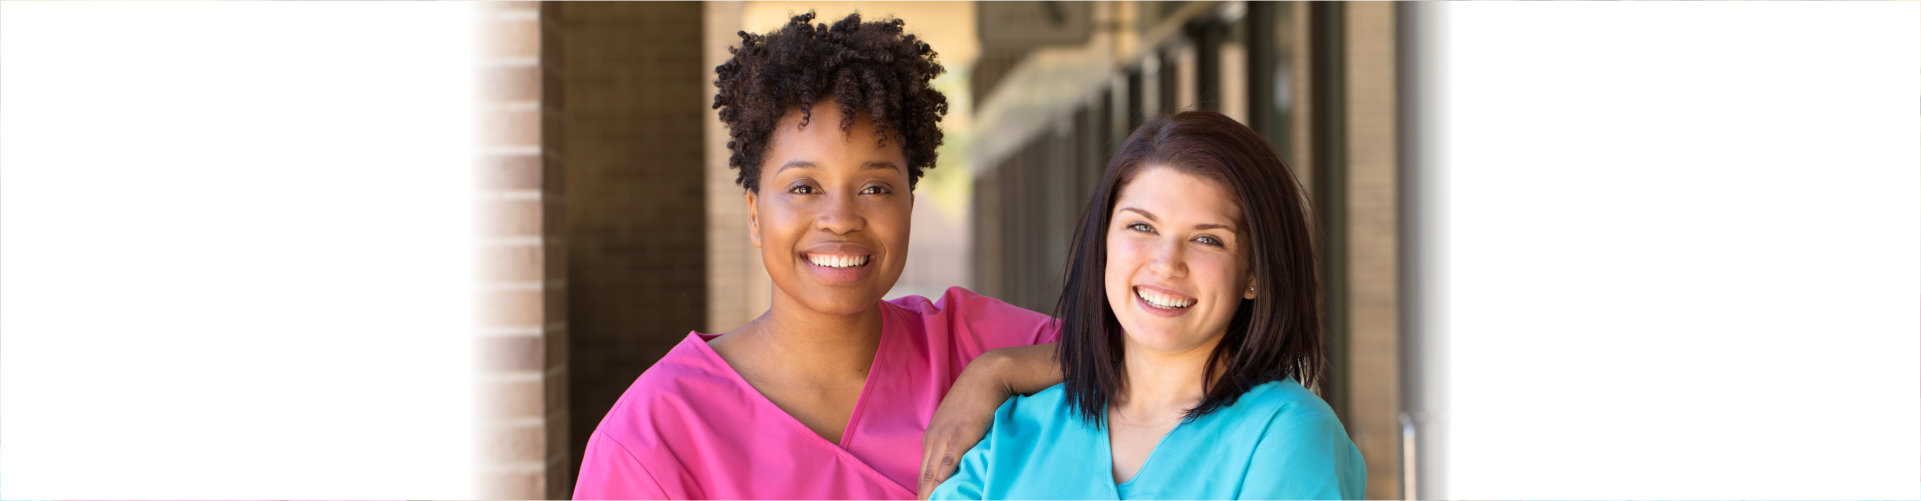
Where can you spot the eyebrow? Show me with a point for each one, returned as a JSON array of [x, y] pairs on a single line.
[[1202, 226], [803, 164]]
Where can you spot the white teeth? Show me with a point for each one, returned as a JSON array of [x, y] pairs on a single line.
[[832, 261], [1161, 300]]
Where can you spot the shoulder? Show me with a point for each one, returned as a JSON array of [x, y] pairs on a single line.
[[1282, 411], [1296, 421], [973, 323], [1302, 437], [962, 303], [671, 385], [1032, 437], [1045, 412], [1047, 403], [690, 365], [1286, 400]]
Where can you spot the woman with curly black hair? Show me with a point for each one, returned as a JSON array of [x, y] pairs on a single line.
[[825, 395]]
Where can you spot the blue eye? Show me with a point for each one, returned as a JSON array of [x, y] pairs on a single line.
[[1209, 240], [1141, 227]]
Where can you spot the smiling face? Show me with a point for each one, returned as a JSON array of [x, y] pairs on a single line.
[[1177, 261], [831, 215]]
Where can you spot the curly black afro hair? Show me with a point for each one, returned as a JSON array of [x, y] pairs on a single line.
[[874, 68]]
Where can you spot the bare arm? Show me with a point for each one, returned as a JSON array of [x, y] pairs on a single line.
[[963, 417]]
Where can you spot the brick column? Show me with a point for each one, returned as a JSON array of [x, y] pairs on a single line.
[[1372, 363], [522, 338]]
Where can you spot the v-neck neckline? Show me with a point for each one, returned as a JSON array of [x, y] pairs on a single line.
[[853, 418], [1107, 450]]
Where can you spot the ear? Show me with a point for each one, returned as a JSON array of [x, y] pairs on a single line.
[[753, 220]]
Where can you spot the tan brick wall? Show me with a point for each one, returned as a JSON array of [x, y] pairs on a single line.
[[1372, 363], [522, 291]]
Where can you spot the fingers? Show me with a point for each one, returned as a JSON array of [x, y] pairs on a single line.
[[925, 486], [933, 473], [929, 451], [948, 463], [938, 461]]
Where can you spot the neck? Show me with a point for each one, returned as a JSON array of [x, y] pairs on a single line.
[[816, 342], [1160, 385]]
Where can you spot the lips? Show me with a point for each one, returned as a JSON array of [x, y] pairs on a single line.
[[838, 255], [839, 262], [1163, 298]]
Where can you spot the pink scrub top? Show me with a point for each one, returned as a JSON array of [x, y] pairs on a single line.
[[691, 428]]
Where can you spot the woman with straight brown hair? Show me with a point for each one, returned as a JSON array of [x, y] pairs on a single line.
[[1190, 321]]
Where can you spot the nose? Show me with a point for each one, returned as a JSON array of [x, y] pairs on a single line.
[[842, 215], [1167, 260]]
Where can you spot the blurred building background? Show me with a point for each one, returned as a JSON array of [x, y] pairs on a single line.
[[1571, 249], [617, 227]]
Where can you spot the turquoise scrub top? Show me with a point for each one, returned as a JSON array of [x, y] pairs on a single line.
[[1279, 441]]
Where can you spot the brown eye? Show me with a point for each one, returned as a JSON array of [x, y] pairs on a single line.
[[802, 190], [873, 190]]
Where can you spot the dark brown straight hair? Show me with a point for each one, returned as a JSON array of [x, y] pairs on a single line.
[[1275, 336]]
